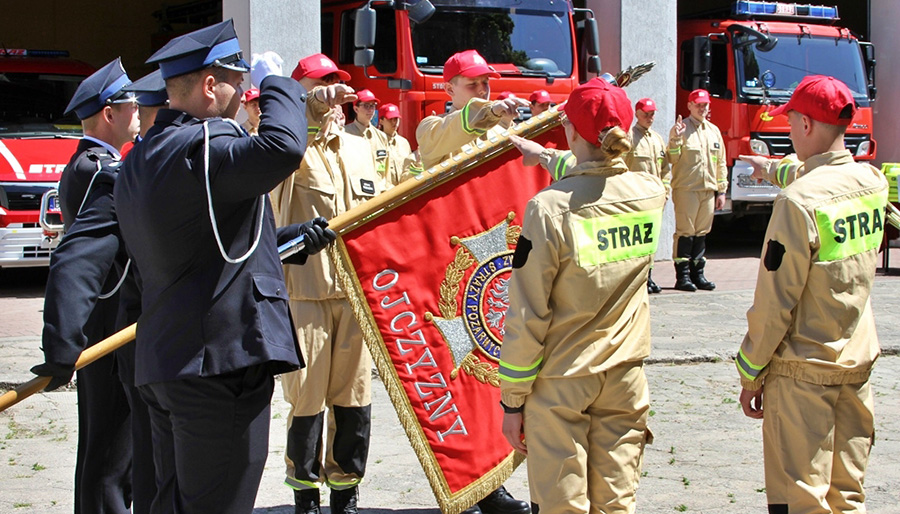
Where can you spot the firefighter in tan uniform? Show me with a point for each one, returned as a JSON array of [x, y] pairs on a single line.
[[648, 154], [365, 109], [336, 174], [573, 389], [699, 181], [472, 115], [400, 155], [540, 101], [811, 343]]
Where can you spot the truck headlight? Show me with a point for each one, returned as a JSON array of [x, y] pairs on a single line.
[[864, 148], [759, 147]]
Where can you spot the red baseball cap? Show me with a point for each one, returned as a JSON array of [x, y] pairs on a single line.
[[468, 63], [250, 94], [597, 105], [317, 66], [539, 97], [365, 95], [506, 94], [822, 98], [388, 112], [699, 96], [645, 104]]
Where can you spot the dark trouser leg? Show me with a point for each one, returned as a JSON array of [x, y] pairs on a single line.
[[682, 264], [143, 471], [698, 263], [103, 462], [349, 453], [211, 438], [304, 449]]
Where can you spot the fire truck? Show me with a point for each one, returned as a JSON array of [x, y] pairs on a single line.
[[751, 61], [397, 48], [36, 142]]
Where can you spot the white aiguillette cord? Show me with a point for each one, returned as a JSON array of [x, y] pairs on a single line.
[[103, 296], [212, 212]]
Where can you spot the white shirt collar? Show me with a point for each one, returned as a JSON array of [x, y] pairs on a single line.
[[115, 153]]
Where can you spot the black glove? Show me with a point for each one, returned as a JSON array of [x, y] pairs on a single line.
[[318, 235], [59, 374]]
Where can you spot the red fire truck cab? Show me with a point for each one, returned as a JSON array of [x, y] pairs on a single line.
[[397, 48], [751, 62], [36, 142]]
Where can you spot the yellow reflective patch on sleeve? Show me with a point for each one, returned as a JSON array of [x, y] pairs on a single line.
[[616, 238], [851, 227]]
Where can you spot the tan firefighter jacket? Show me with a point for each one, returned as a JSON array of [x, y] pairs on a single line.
[[578, 298], [648, 153], [698, 158], [811, 318], [441, 135], [337, 173], [400, 156]]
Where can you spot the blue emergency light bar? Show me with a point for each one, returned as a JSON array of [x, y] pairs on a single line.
[[21, 52], [759, 8]]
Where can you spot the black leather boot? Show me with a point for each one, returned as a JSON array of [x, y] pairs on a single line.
[[306, 501], [501, 502], [652, 288], [698, 263], [344, 501], [682, 264]]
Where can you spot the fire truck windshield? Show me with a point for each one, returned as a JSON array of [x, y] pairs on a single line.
[[534, 41], [777, 72], [32, 105]]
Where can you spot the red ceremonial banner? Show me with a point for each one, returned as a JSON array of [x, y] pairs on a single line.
[[428, 281]]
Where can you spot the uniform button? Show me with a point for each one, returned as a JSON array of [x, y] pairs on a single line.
[[278, 291]]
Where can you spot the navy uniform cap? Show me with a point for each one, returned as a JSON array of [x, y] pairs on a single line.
[[150, 90], [216, 45], [104, 87]]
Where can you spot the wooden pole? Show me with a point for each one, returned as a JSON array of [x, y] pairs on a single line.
[[407, 190]]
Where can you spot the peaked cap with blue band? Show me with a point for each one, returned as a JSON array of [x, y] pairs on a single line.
[[150, 90], [216, 45], [102, 88]]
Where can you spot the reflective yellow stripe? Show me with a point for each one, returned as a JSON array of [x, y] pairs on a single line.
[[781, 174], [563, 164], [512, 373], [465, 122], [295, 483], [415, 171], [851, 227], [749, 370], [617, 237], [675, 150]]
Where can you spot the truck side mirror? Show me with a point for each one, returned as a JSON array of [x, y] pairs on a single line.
[[593, 64], [364, 31], [869, 58], [591, 36], [421, 11], [363, 57], [701, 64]]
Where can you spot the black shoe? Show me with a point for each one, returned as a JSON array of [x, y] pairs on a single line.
[[306, 501], [652, 288], [697, 276], [501, 502], [683, 277], [344, 501], [474, 509]]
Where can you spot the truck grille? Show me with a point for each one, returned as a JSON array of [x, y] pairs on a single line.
[[22, 197], [780, 143]]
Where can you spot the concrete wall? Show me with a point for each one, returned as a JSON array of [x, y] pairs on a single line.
[[884, 17], [289, 27], [637, 32]]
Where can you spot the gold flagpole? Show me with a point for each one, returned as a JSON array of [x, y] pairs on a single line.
[[398, 195]]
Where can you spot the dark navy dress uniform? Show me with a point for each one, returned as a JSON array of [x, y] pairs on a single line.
[[84, 266], [211, 334]]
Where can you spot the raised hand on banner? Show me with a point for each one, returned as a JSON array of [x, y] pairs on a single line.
[[264, 64], [59, 374], [335, 94], [508, 107], [531, 151]]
